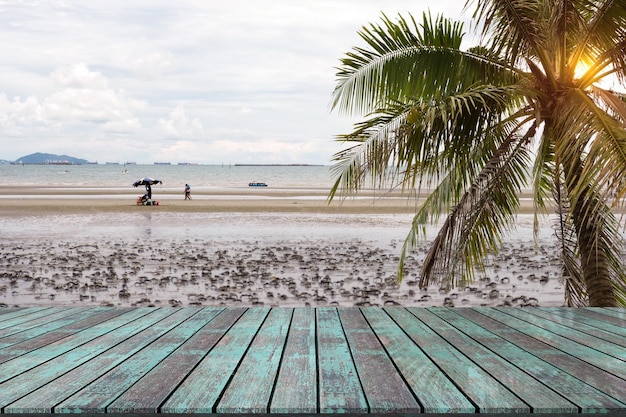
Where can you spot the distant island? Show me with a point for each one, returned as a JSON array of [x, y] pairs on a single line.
[[40, 158]]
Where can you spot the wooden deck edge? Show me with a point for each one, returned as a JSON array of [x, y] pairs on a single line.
[[618, 413]]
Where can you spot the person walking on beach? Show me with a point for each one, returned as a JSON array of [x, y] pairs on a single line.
[[187, 192]]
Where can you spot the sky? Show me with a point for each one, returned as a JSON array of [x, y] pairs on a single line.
[[199, 81]]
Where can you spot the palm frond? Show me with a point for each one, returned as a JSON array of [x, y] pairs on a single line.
[[484, 213], [575, 287], [516, 29], [406, 61], [374, 146]]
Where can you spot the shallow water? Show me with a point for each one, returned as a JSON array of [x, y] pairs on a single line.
[[213, 176], [248, 259]]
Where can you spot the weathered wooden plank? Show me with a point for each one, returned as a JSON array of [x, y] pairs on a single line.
[[147, 395], [588, 325], [608, 383], [12, 312], [298, 367], [17, 320], [595, 357], [47, 325], [251, 387], [604, 315], [540, 393], [22, 347], [199, 392], [6, 309], [434, 390], [54, 314], [488, 394], [540, 397], [619, 312], [102, 363], [34, 358], [339, 386], [44, 398], [383, 386], [95, 397], [26, 382], [584, 339]]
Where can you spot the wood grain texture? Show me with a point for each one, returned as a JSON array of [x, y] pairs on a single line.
[[202, 388], [434, 390], [486, 392], [588, 325], [339, 385], [546, 388], [307, 361], [603, 381], [149, 392], [176, 330], [384, 388], [296, 384], [251, 387]]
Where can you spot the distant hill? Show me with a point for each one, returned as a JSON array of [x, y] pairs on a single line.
[[49, 158]]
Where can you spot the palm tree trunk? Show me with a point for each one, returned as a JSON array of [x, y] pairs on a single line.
[[594, 260], [594, 264]]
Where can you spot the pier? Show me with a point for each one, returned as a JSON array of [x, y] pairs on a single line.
[[262, 360]]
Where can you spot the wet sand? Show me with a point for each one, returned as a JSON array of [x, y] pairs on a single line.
[[248, 247]]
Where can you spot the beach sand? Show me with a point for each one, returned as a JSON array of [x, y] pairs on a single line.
[[285, 247]]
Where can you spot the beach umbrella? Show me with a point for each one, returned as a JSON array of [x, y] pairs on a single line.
[[146, 181]]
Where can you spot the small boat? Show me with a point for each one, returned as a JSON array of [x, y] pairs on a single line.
[[257, 184]]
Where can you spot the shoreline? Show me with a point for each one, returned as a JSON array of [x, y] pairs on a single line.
[[18, 201], [278, 247]]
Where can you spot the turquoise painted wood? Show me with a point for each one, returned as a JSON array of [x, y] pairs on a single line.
[[303, 361], [595, 377], [546, 388], [383, 387], [154, 327], [572, 333], [10, 327], [9, 313], [45, 325], [612, 316], [487, 393], [156, 386], [434, 390], [26, 382], [19, 365], [178, 328], [298, 368], [19, 320], [340, 389], [250, 389], [530, 390], [202, 388], [590, 355], [611, 311], [17, 346], [591, 326]]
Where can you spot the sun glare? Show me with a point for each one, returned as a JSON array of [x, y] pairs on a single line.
[[581, 69]]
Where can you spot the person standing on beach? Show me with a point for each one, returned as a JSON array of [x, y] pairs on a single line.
[[187, 192]]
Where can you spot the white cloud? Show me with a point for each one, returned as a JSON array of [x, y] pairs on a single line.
[[84, 99], [79, 76], [152, 65], [180, 126], [216, 80]]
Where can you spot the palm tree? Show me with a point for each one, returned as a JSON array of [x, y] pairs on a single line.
[[526, 108]]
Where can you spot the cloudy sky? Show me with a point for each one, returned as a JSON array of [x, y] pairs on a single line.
[[203, 81]]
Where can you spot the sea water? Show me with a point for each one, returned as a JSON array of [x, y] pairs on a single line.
[[205, 176]]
